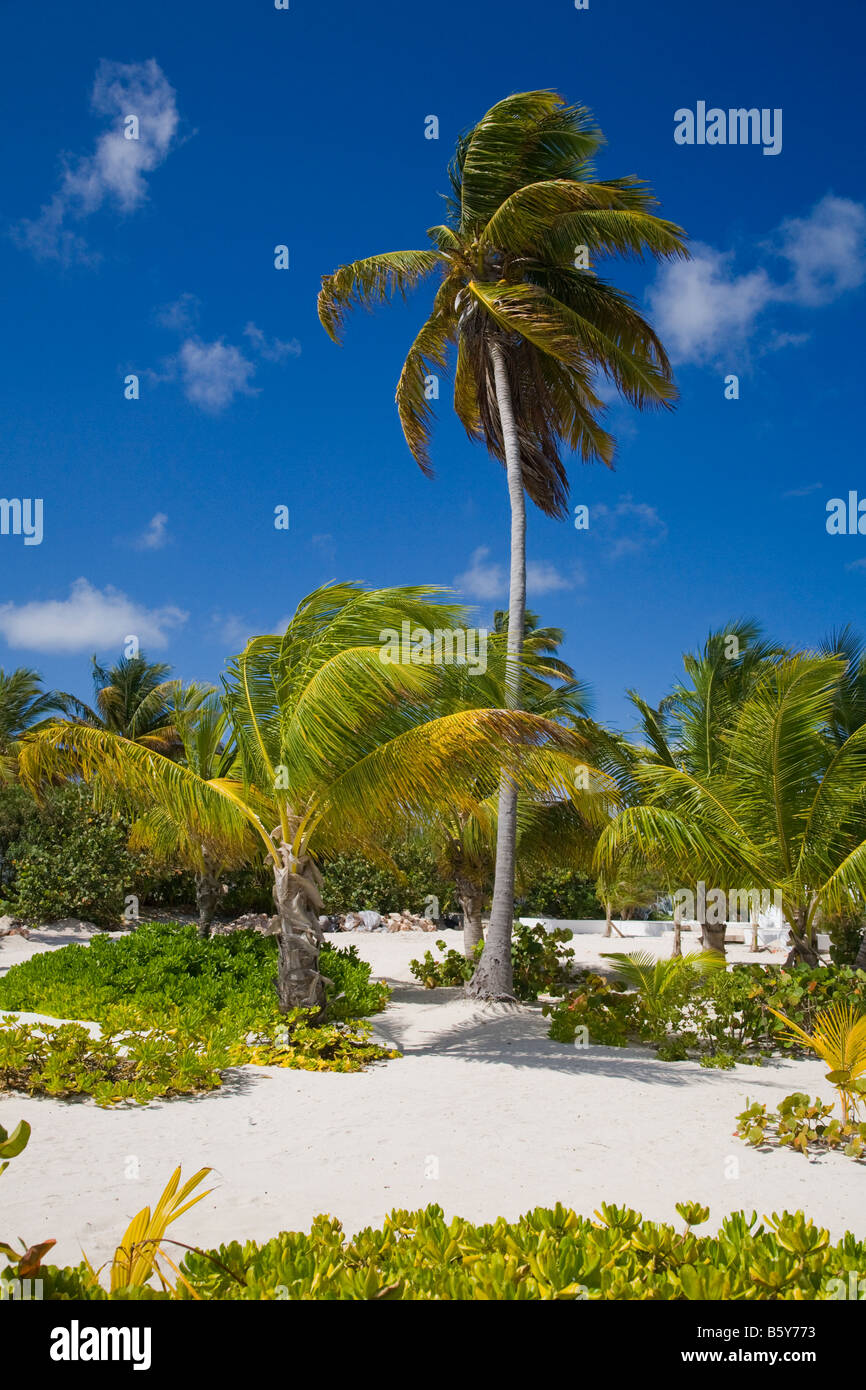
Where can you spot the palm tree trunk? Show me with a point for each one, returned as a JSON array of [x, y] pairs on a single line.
[[678, 934], [471, 898], [802, 943], [207, 894], [298, 903], [608, 919], [493, 978], [713, 936]]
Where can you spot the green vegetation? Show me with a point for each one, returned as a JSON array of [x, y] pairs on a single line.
[[801, 1124], [541, 963], [723, 1016], [175, 1010], [547, 1254], [163, 973]]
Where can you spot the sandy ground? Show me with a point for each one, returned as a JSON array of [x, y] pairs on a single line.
[[483, 1115]]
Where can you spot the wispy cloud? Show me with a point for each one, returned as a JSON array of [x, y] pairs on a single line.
[[115, 172], [271, 349], [155, 534], [628, 527], [180, 315], [89, 619], [212, 373], [484, 578], [803, 491], [230, 630], [706, 307]]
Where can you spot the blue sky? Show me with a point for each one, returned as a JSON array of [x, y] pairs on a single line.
[[306, 127]]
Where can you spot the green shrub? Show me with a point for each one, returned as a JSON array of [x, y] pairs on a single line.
[[540, 961], [547, 1254], [601, 1007], [561, 893], [845, 932], [454, 968], [163, 971], [799, 1123], [71, 861], [725, 1018], [354, 883]]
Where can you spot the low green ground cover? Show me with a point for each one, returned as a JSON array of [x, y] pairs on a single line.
[[546, 1254], [175, 1011]]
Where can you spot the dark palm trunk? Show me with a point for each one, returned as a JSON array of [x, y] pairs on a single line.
[[298, 903], [803, 949], [860, 958], [207, 895], [713, 937], [493, 978]]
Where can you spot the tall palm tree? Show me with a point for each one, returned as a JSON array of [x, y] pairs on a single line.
[[334, 744], [132, 698], [780, 808], [529, 330]]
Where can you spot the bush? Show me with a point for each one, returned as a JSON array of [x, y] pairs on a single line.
[[540, 961], [561, 893], [845, 933], [454, 969], [724, 1019], [71, 861], [354, 883], [163, 974], [602, 1007], [547, 1254]]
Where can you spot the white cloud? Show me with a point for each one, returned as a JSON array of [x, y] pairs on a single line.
[[214, 373], [705, 307], [702, 306], [155, 534], [115, 172], [544, 578], [485, 579], [89, 619], [272, 350], [825, 250]]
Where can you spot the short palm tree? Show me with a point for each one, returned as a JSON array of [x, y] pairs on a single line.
[[23, 702], [565, 820], [209, 750], [132, 698], [781, 808], [333, 744], [529, 326], [839, 1037]]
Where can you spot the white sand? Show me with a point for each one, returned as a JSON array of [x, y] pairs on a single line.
[[483, 1115]]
